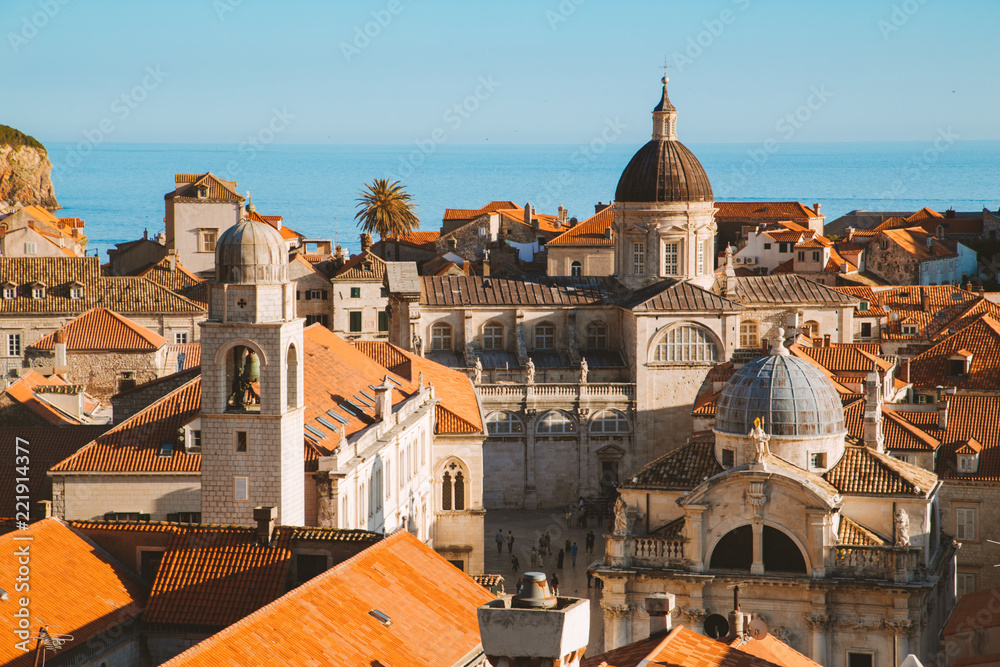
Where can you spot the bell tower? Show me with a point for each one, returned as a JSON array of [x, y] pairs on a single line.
[[252, 388]]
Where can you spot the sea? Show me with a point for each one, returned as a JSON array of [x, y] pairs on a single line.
[[117, 189]]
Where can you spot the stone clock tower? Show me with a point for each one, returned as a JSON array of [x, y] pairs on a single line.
[[252, 389]]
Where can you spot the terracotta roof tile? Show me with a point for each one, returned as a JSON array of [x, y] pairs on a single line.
[[214, 576], [967, 615], [786, 289], [470, 213], [683, 468], [863, 471], [772, 649], [104, 330], [191, 352], [784, 236], [25, 391], [590, 232], [218, 189], [969, 417], [76, 589], [771, 210], [924, 214], [981, 338], [541, 291], [684, 648], [854, 534], [363, 266], [676, 296], [432, 606], [913, 240], [177, 279], [842, 359]]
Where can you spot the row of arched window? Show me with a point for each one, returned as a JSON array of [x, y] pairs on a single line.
[[556, 422], [493, 336]]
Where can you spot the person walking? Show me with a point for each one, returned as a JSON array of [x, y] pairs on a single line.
[[568, 545], [590, 542], [554, 583], [510, 542], [572, 555], [559, 559], [514, 565], [500, 541], [534, 557]]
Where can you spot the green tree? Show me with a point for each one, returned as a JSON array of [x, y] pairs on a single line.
[[386, 209]]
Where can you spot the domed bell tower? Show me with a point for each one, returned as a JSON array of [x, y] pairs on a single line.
[[252, 387]]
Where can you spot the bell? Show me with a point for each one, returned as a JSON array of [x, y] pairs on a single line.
[[251, 367]]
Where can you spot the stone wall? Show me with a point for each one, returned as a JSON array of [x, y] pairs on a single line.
[[891, 262], [977, 556], [85, 497], [593, 261], [103, 372]]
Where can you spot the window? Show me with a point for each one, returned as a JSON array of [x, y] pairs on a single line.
[[383, 320], [965, 523], [355, 292], [504, 423], [195, 440], [184, 517], [863, 307], [748, 334], [318, 319], [767, 246], [241, 489], [308, 566], [355, 323], [202, 192], [317, 294], [383, 292], [441, 336], [446, 490], [906, 458], [609, 421], [14, 345], [966, 583], [817, 460], [909, 329], [967, 463], [493, 336], [866, 329], [207, 239], [638, 258], [576, 269], [149, 562], [556, 422], [545, 336], [956, 367], [597, 336], [126, 380], [801, 256], [38, 292], [782, 247], [125, 516], [686, 343], [860, 659], [815, 255], [884, 244], [728, 458], [9, 291], [30, 248], [700, 258], [671, 267], [453, 484], [166, 449], [76, 292], [180, 337], [241, 442]]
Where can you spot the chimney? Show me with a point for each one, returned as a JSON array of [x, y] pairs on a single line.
[[850, 233], [486, 265], [904, 370], [383, 401], [600, 206], [527, 215], [950, 213], [43, 510], [172, 254], [366, 242], [925, 298], [942, 411], [659, 606], [534, 627], [266, 517], [60, 352], [563, 215], [816, 208], [145, 234], [826, 340]]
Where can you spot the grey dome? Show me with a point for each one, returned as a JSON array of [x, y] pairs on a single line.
[[664, 170], [790, 395], [251, 252]]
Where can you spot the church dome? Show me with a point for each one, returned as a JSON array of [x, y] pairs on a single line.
[[664, 170], [251, 251], [791, 396]]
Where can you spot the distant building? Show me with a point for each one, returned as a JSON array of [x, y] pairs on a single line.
[[359, 296], [912, 256], [733, 219], [586, 249], [33, 231], [199, 209]]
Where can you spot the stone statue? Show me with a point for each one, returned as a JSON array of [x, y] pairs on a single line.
[[621, 517], [529, 371], [477, 371], [760, 449], [902, 521], [584, 369], [418, 344]]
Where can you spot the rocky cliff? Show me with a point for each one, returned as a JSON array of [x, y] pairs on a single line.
[[25, 170]]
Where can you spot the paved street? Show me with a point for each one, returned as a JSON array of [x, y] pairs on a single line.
[[527, 527]]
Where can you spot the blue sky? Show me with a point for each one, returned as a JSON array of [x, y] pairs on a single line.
[[545, 71]]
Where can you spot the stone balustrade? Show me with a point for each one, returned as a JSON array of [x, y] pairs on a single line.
[[655, 552], [607, 391], [899, 564]]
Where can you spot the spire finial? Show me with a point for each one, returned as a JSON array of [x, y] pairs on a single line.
[[665, 114], [778, 344], [665, 78]]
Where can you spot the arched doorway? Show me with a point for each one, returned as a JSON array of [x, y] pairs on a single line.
[[735, 552]]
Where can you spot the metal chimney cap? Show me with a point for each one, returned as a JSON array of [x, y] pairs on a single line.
[[535, 592]]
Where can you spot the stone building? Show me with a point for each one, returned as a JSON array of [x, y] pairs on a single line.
[[735, 219], [360, 296], [198, 210], [850, 566], [32, 231], [496, 225], [586, 249], [313, 300], [912, 256]]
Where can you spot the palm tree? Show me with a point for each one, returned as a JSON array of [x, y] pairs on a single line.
[[386, 208]]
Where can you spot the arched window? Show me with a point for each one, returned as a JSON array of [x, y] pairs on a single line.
[[545, 336], [811, 328], [576, 269], [686, 343], [292, 379], [609, 421], [780, 553], [597, 336], [748, 334], [454, 487], [242, 369], [459, 491], [446, 491], [441, 338], [555, 422], [493, 336], [504, 423]]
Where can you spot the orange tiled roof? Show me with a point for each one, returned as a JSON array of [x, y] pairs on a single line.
[[684, 648], [682, 468], [76, 589], [134, 445], [470, 213], [772, 210], [176, 280], [854, 534], [286, 232], [218, 189], [23, 391], [967, 615], [431, 604], [214, 576], [363, 266], [417, 239], [865, 472], [981, 339], [913, 240], [924, 214], [969, 417], [105, 330], [592, 231], [785, 236], [191, 352], [948, 307], [772, 649], [843, 359]]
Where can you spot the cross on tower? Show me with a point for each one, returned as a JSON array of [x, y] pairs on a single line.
[[665, 60]]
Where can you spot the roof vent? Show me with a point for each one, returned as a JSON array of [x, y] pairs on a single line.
[[535, 593], [382, 618]]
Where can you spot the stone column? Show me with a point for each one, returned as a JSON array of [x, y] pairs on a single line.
[[694, 549], [758, 547], [818, 625], [585, 455], [530, 490]]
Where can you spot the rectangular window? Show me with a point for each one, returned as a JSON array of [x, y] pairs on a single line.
[[308, 566], [700, 258], [815, 255], [767, 246], [14, 345], [149, 562], [782, 247], [384, 292], [184, 517], [728, 458], [383, 320], [860, 659], [207, 239], [670, 259], [180, 338], [9, 292], [241, 490], [801, 256], [30, 248], [241, 441], [638, 258], [355, 292], [316, 294], [76, 292], [965, 523], [196, 440], [355, 321], [966, 583], [817, 460], [38, 292], [866, 329], [956, 367]]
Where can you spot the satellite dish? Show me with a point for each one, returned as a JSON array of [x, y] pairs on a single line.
[[758, 629], [716, 626]]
